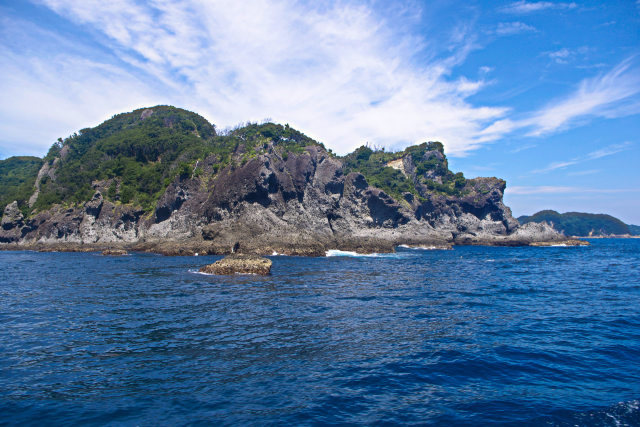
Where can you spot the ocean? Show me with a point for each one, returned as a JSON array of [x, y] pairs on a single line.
[[468, 336]]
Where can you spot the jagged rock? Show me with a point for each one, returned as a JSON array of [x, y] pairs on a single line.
[[239, 264], [12, 217], [272, 197]]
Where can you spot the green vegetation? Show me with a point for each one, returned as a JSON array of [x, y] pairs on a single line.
[[580, 224], [372, 164], [256, 138], [135, 156], [17, 177], [142, 152], [428, 166], [634, 229]]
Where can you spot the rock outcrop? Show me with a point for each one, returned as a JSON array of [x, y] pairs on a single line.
[[269, 197], [302, 205], [239, 264]]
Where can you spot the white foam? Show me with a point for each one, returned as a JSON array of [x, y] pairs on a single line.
[[211, 274], [424, 248], [336, 252]]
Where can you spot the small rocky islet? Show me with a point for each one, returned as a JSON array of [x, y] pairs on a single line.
[[164, 180], [239, 264]]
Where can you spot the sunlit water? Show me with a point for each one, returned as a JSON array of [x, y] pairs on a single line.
[[469, 336]]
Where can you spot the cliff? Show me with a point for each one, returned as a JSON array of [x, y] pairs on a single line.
[[164, 179]]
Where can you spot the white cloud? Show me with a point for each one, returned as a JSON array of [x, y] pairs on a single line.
[[560, 56], [46, 97], [522, 7], [597, 154], [564, 55], [338, 72], [509, 28], [607, 95]]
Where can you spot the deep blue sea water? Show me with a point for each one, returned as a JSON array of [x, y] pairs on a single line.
[[470, 336]]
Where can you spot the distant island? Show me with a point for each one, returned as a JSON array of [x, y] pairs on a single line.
[[164, 179], [582, 224]]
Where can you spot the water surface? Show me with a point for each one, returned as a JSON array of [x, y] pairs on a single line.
[[470, 336]]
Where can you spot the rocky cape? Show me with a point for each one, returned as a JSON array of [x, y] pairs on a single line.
[[297, 202]]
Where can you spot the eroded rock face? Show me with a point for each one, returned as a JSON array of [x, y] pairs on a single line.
[[12, 224], [12, 217], [239, 264]]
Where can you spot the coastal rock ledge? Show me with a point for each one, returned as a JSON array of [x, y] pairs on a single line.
[[239, 264]]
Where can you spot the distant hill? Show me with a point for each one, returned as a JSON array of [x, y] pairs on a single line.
[[582, 224], [634, 229]]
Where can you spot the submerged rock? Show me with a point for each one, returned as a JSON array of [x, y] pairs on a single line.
[[114, 252], [239, 264]]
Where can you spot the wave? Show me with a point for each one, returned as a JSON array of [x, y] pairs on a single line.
[[211, 274], [425, 248], [620, 414], [337, 252]]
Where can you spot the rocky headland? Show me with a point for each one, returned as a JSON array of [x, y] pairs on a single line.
[[163, 180]]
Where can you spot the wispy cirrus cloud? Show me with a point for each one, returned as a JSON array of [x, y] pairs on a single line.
[[343, 72], [608, 95], [523, 7], [337, 71], [550, 189], [597, 154]]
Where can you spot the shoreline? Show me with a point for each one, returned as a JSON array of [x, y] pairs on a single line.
[[204, 248]]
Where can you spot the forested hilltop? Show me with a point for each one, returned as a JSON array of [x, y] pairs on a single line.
[[582, 224], [139, 154], [167, 174]]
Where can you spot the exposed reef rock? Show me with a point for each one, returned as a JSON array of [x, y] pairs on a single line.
[[115, 252], [259, 190], [239, 264]]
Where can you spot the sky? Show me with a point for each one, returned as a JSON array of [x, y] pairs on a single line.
[[544, 94]]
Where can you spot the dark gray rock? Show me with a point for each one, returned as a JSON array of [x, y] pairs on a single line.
[[301, 204]]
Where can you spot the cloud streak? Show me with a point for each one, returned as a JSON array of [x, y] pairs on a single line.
[[550, 189], [524, 7], [599, 96], [598, 154]]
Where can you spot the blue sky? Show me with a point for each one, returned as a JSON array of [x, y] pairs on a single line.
[[543, 94]]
